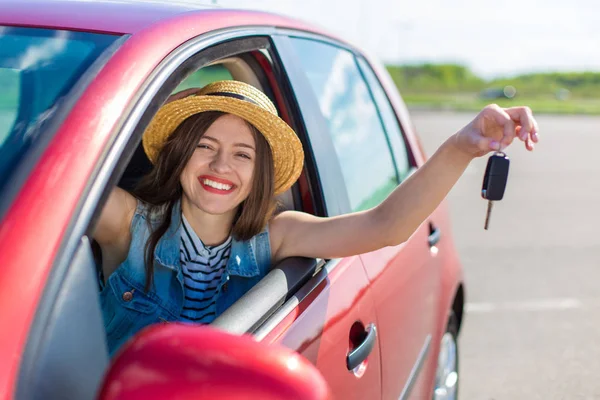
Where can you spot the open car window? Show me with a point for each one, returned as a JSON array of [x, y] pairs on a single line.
[[255, 68]]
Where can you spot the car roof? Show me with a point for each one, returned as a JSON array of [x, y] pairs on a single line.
[[108, 16]]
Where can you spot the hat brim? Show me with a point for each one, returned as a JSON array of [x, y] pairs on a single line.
[[288, 155]]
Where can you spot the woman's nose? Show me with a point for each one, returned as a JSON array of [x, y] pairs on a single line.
[[220, 163]]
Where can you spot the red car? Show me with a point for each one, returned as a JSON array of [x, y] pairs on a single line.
[[80, 81]]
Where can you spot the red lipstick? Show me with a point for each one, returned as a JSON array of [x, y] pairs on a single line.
[[211, 189]]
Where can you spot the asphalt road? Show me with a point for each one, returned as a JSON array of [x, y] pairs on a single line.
[[532, 328]]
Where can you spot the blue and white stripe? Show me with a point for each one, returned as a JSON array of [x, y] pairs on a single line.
[[202, 268]]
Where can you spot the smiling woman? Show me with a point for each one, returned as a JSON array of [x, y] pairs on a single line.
[[220, 156], [205, 154]]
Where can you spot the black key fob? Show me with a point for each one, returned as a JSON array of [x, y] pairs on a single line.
[[496, 175]]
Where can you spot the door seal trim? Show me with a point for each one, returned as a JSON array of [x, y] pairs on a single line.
[[275, 319], [416, 369]]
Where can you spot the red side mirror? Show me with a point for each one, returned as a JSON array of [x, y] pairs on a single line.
[[199, 362]]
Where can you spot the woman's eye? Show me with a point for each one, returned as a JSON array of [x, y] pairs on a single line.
[[203, 146], [244, 155]]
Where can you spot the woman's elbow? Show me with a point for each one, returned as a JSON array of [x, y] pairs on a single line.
[[386, 230]]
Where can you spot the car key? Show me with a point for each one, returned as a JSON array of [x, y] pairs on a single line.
[[494, 181]]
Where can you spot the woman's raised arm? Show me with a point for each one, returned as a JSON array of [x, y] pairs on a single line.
[[394, 220], [112, 229]]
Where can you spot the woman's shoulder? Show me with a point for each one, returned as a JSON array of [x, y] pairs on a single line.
[[148, 218], [150, 212]]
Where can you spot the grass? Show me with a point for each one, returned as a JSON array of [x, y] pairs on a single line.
[[471, 102], [429, 91]]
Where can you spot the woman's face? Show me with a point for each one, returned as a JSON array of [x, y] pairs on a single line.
[[218, 176]]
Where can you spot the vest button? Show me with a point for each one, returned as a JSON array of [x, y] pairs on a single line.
[[127, 296]]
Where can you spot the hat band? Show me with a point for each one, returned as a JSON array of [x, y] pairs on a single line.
[[234, 95]]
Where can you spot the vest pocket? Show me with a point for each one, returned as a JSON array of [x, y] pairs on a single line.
[[130, 297], [126, 310]]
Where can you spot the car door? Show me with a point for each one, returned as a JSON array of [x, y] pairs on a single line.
[[331, 319], [334, 324], [373, 161], [408, 307]]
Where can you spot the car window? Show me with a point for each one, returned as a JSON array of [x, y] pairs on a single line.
[[204, 76], [355, 126], [390, 121], [38, 67]]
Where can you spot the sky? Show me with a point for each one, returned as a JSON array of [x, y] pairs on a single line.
[[500, 38]]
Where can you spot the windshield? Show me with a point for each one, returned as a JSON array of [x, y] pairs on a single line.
[[38, 67]]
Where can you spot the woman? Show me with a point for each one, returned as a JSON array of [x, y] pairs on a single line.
[[200, 229]]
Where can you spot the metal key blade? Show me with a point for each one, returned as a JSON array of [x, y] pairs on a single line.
[[488, 214]]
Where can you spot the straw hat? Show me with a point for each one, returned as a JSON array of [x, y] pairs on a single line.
[[245, 101]]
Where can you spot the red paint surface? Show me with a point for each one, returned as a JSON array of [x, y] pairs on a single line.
[[321, 331], [42, 210], [129, 16], [319, 328]]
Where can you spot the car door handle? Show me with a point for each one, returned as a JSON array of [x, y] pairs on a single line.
[[362, 351], [434, 235]]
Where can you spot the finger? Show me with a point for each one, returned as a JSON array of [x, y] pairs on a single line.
[[518, 130], [498, 124], [529, 144], [486, 144], [508, 126], [533, 138], [523, 116]]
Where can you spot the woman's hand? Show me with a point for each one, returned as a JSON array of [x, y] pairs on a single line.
[[494, 129]]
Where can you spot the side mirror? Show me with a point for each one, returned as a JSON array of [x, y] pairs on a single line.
[[199, 362]]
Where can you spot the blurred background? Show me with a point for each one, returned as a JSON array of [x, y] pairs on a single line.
[[461, 54], [532, 323]]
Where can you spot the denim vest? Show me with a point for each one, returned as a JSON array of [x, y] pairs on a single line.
[[127, 308]]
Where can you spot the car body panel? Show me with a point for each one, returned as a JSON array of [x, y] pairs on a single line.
[[444, 265], [320, 330], [405, 287], [450, 277], [130, 17], [63, 169], [117, 17], [43, 210]]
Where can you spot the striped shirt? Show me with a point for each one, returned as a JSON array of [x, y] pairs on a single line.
[[202, 268]]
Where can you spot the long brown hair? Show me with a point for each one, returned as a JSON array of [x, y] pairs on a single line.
[[161, 188]]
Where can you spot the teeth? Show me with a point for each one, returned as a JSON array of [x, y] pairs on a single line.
[[216, 185]]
